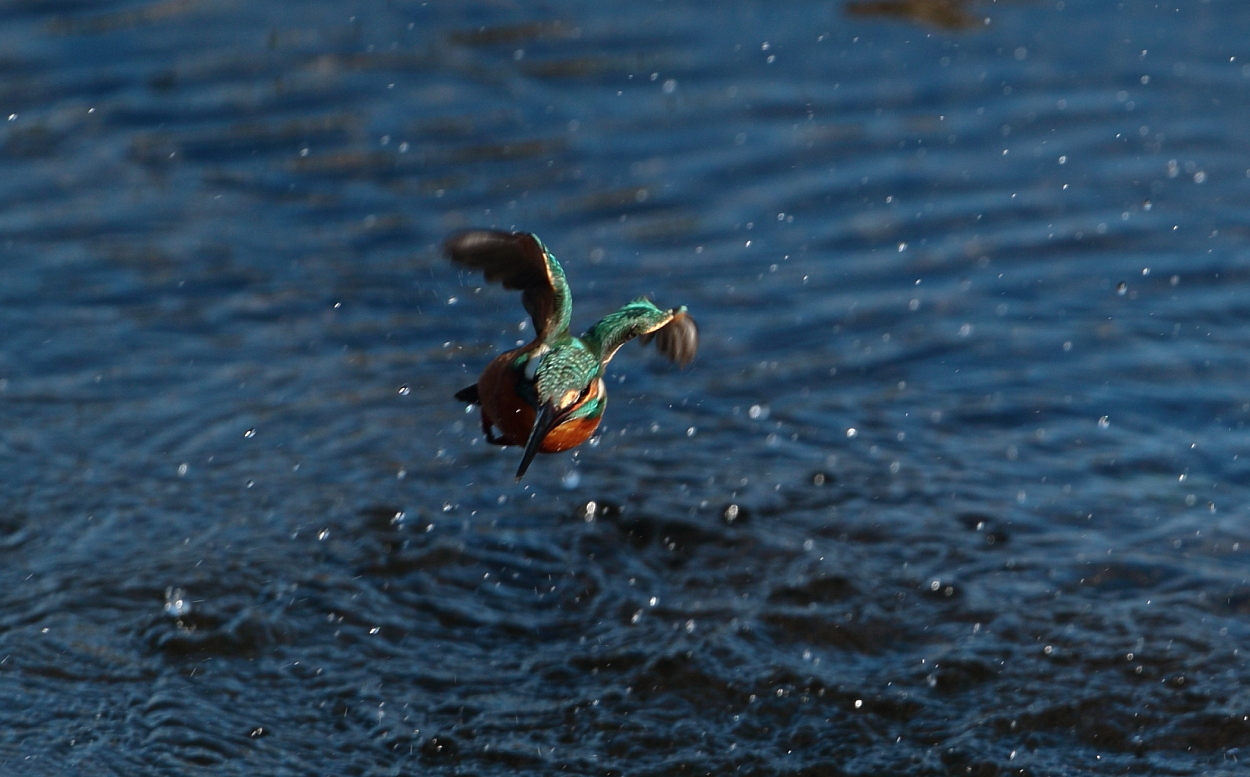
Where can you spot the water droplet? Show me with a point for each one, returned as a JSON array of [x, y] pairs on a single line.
[[852, 432], [176, 603], [1121, 288], [1104, 422], [249, 433], [182, 469], [691, 432], [758, 412], [571, 479], [323, 534], [592, 511], [404, 390]]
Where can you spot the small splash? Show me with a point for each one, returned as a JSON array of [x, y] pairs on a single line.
[[734, 514], [176, 603], [592, 510], [1104, 422], [823, 479]]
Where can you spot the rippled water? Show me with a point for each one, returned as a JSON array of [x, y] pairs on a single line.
[[954, 486]]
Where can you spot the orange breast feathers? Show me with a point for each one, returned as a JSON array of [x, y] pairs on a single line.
[[507, 411], [502, 407], [569, 434]]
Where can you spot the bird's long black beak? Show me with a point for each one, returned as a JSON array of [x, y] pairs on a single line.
[[544, 422]]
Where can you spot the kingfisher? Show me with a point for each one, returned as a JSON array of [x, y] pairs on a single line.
[[549, 395]]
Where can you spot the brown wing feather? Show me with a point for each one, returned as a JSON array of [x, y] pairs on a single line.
[[678, 339], [518, 261]]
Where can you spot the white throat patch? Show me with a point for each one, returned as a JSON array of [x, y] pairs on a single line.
[[531, 366]]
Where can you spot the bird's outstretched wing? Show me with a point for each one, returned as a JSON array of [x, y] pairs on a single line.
[[518, 260], [678, 339], [674, 331]]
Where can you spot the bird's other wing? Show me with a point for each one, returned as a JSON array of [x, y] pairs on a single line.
[[674, 331], [519, 261], [678, 339]]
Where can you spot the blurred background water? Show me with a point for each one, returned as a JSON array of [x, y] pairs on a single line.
[[954, 486]]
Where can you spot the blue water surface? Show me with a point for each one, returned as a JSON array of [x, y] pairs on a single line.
[[954, 486]]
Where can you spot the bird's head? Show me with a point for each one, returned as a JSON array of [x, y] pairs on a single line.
[[568, 386]]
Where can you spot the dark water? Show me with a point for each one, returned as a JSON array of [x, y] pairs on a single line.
[[954, 487]]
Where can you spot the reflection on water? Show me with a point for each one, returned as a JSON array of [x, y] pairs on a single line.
[[944, 14], [954, 487]]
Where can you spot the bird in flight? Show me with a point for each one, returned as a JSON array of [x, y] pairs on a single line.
[[549, 395]]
